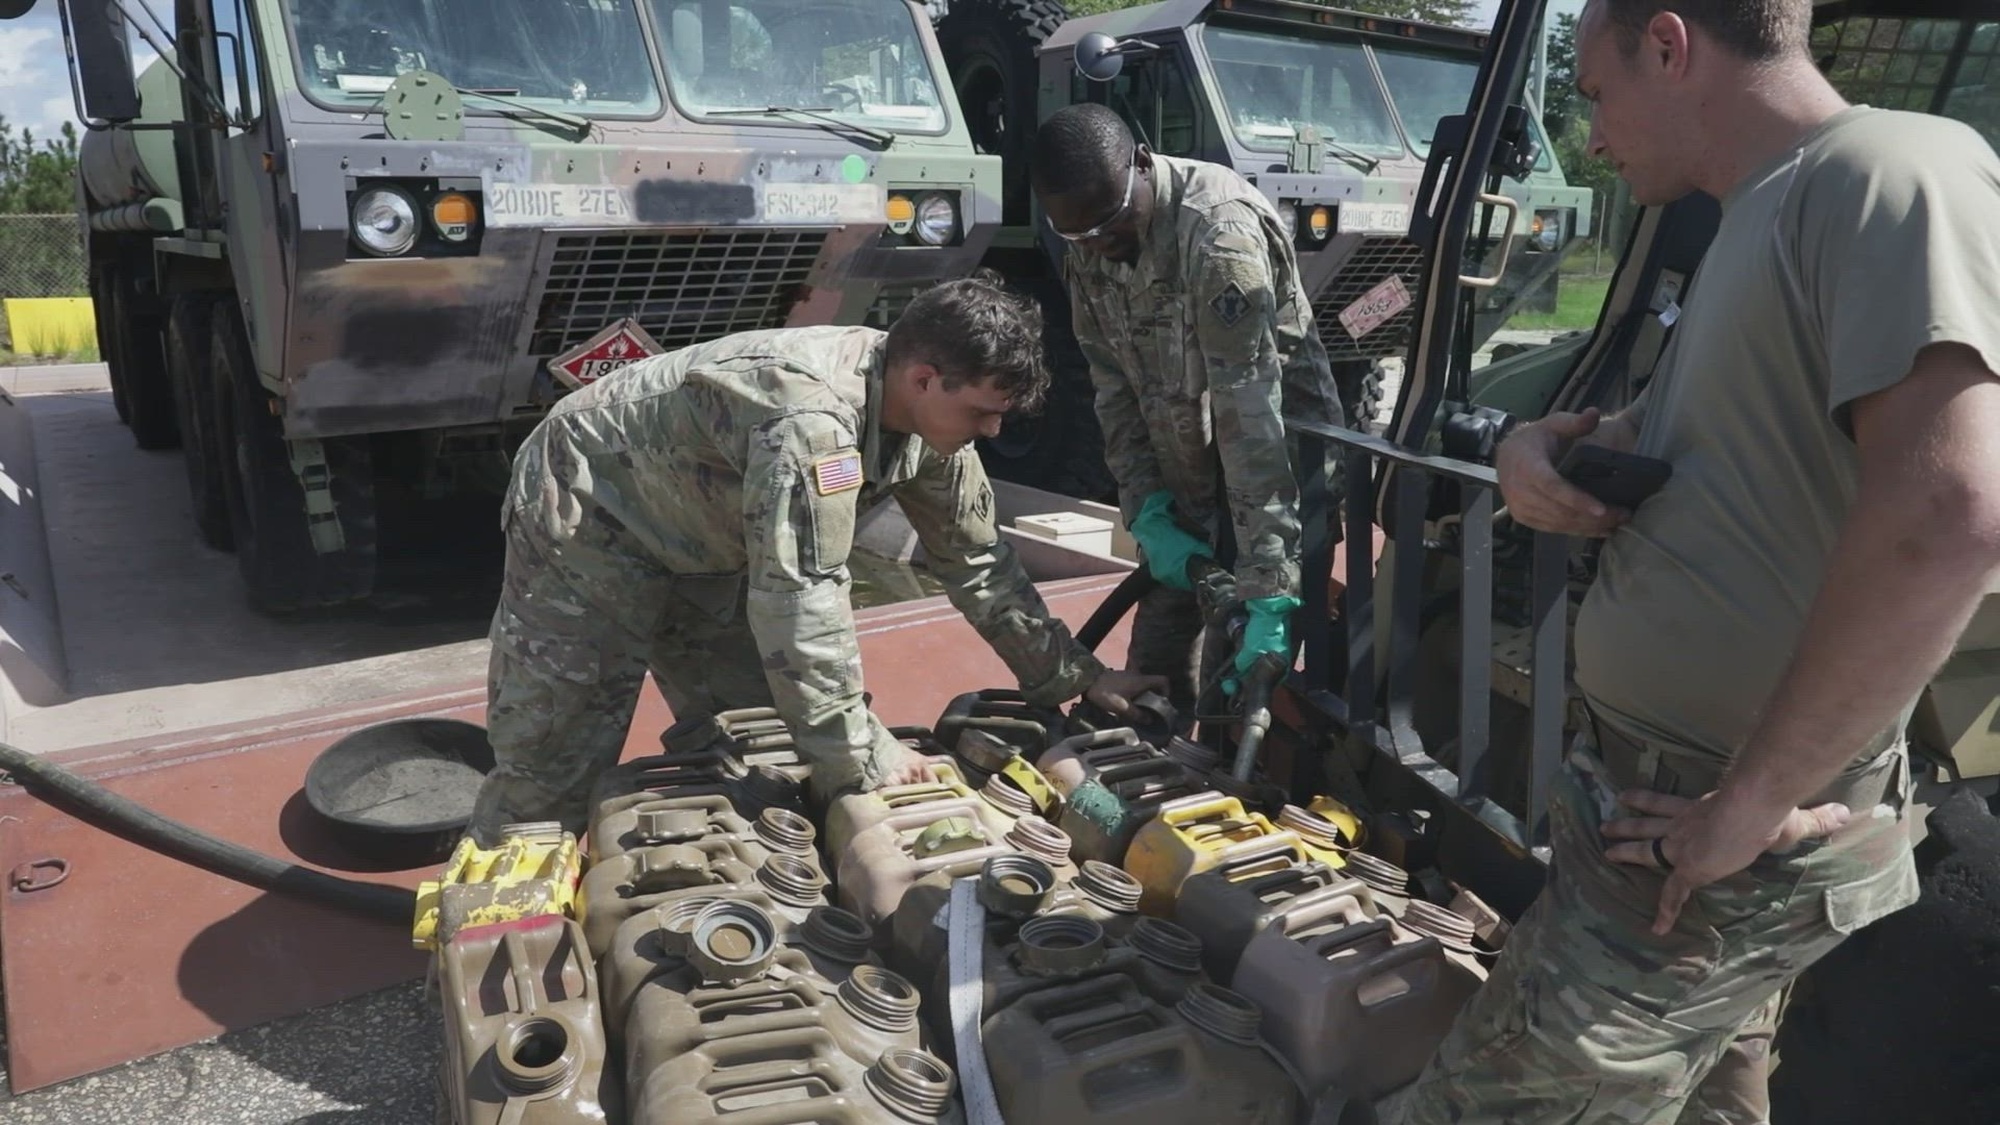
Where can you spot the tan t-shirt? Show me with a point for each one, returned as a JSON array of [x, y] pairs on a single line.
[[1879, 233]]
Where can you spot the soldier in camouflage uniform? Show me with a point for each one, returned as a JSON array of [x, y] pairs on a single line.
[[693, 513], [1187, 303], [1760, 629]]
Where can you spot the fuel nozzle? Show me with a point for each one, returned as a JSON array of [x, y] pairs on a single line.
[[1228, 619], [1263, 675], [1215, 593]]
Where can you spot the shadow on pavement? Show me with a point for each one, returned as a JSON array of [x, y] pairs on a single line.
[[146, 603], [373, 1054]]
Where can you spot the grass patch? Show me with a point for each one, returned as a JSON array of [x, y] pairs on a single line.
[[84, 353], [1578, 301]]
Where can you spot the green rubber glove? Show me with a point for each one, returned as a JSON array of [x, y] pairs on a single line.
[[1269, 630], [1167, 547]]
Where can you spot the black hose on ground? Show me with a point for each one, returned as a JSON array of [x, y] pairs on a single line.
[[99, 806]]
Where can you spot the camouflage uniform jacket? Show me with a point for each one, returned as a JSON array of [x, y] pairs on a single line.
[[747, 462], [1201, 349]]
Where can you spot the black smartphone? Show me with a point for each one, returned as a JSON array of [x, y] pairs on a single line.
[[1623, 480]]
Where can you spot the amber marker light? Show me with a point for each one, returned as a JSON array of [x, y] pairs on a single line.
[[901, 213], [452, 213]]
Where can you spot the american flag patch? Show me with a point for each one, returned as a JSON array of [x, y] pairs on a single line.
[[840, 472]]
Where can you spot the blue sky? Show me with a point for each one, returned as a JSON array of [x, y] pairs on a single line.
[[34, 75], [34, 78]]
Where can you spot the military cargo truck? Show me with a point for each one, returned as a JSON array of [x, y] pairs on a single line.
[[1330, 112], [336, 244]]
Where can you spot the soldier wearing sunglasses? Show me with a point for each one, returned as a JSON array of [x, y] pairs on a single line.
[[1187, 302]]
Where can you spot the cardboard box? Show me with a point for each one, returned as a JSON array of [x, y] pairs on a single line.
[[1074, 530]]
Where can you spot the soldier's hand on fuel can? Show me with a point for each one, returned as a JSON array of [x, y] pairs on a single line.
[[908, 770], [1115, 689], [1536, 495]]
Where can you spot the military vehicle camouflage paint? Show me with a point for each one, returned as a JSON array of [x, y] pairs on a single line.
[[616, 157]]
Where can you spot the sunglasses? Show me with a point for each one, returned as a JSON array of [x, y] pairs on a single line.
[[1131, 176]]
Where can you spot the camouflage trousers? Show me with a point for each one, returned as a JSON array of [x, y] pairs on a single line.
[[1588, 1016], [1167, 637], [578, 626]]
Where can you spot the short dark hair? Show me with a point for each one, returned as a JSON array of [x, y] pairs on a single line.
[[1083, 147], [973, 328], [1758, 30]]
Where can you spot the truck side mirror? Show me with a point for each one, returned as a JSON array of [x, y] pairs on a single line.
[[1098, 57], [103, 60], [15, 9]]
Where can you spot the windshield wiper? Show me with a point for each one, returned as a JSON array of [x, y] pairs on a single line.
[[582, 125], [822, 114], [1365, 162]]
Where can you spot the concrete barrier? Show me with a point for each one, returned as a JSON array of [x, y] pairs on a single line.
[[51, 326], [32, 667]]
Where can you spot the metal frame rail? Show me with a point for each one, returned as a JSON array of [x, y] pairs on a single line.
[[1479, 844]]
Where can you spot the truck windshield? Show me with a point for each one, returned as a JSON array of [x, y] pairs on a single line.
[[1271, 84], [1428, 87], [580, 56], [854, 60]]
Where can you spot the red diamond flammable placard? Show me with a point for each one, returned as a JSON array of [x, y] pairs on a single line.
[[609, 350]]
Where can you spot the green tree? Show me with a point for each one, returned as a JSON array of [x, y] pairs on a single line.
[[39, 257], [37, 177], [1564, 103], [1454, 12], [1566, 119]]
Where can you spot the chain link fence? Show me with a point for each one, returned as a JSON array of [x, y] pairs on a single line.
[[41, 256]]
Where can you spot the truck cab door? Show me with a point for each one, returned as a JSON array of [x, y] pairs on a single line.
[[242, 163]]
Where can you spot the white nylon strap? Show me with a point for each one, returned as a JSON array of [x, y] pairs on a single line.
[[965, 946]]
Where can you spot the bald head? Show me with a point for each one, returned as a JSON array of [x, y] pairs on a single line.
[[1081, 149]]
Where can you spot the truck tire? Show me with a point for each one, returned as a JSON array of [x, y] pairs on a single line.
[[1896, 1024], [138, 362], [282, 573], [188, 360], [989, 48], [1360, 385], [1060, 449], [104, 314]]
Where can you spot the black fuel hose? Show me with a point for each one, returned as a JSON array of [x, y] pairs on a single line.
[[98, 806], [1115, 605]]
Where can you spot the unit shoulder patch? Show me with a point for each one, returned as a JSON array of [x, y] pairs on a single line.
[[1231, 304], [837, 472]]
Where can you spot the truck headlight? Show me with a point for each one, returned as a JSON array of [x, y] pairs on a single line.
[[937, 220], [384, 221], [1546, 233], [1288, 217]]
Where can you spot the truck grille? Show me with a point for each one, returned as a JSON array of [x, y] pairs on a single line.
[[682, 288], [1370, 264], [890, 302]]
